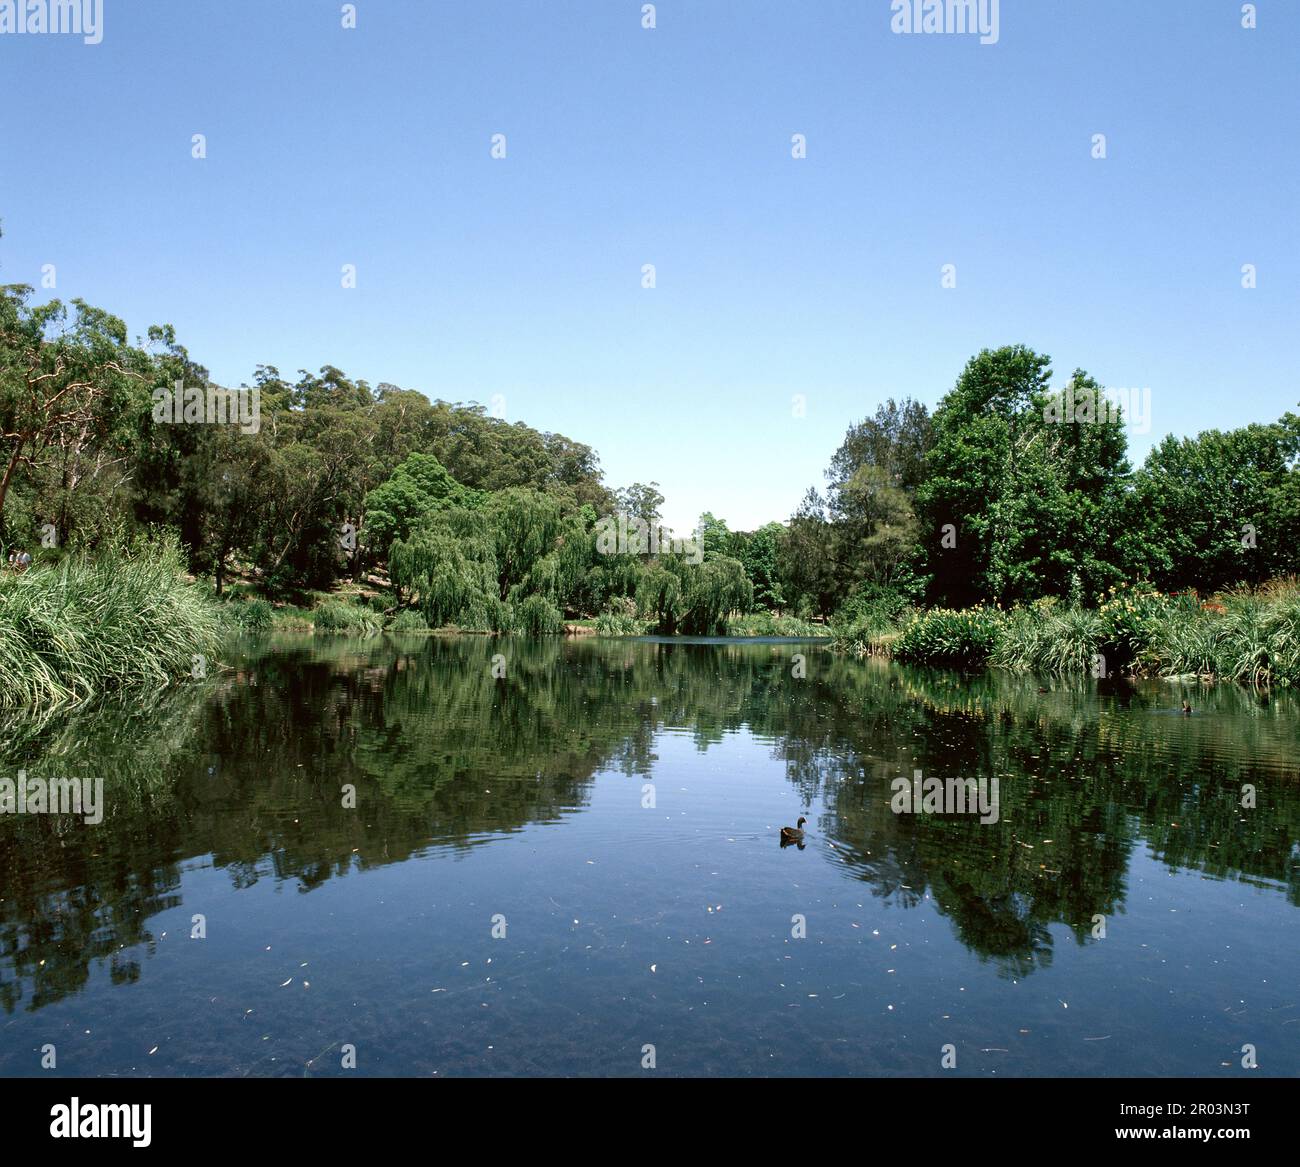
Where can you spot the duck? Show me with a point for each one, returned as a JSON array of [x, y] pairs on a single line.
[[793, 834], [1187, 709]]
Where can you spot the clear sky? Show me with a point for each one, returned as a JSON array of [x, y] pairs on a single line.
[[775, 276]]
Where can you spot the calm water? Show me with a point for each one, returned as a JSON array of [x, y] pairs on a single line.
[[618, 803]]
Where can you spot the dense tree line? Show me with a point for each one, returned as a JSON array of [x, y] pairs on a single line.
[[84, 453], [1008, 492], [1011, 491]]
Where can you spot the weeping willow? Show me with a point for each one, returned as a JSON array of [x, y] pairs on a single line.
[[452, 575]]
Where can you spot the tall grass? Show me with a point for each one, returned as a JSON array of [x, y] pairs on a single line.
[[1257, 638], [866, 634], [409, 620], [1244, 635], [350, 619], [73, 630], [620, 618], [1047, 638], [763, 623], [253, 615]]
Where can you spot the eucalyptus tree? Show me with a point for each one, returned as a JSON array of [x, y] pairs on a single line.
[[71, 390]]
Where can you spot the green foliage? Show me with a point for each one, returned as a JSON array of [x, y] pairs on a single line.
[[1050, 638], [419, 485], [763, 623], [712, 592], [451, 570], [476, 516], [806, 559], [640, 500], [537, 616], [81, 448], [1250, 636], [963, 639], [334, 616], [1030, 489], [410, 620], [713, 536], [695, 599], [761, 557], [1221, 508], [84, 626], [620, 618], [254, 615]]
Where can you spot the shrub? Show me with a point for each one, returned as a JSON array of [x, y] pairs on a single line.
[[410, 620], [254, 616], [966, 639], [334, 616], [620, 619], [770, 624], [537, 616], [1049, 638]]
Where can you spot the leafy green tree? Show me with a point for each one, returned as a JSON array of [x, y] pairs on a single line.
[[1064, 518], [1221, 508], [1024, 495], [965, 501], [895, 440], [806, 559], [761, 559], [641, 501], [713, 536], [71, 387], [416, 487], [449, 565]]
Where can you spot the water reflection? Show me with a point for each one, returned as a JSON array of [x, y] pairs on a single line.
[[252, 774]]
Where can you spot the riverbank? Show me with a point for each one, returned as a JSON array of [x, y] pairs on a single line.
[[1246, 635], [366, 614], [86, 626]]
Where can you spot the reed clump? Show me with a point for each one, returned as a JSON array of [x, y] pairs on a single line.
[[1247, 635], [91, 624]]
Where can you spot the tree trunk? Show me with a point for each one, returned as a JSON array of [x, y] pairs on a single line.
[[9, 473]]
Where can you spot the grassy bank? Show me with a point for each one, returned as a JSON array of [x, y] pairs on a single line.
[[86, 626], [1252, 636], [359, 614]]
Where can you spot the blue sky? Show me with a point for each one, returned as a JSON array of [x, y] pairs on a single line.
[[775, 276]]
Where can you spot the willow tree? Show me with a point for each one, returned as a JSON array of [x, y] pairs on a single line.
[[524, 525], [714, 590], [450, 573]]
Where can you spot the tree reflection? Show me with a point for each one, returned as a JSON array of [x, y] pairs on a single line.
[[252, 771]]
